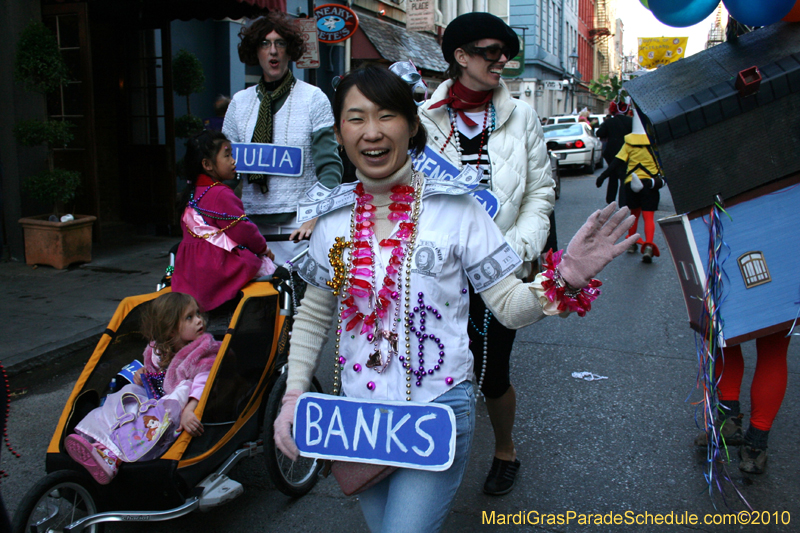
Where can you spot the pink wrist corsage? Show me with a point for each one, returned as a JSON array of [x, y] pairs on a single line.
[[557, 289]]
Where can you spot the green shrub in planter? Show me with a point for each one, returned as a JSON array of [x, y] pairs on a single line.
[[187, 125], [40, 67], [187, 78]]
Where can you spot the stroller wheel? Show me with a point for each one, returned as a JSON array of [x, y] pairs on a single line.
[[291, 478], [57, 500]]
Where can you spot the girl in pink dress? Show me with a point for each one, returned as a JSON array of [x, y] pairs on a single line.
[[221, 249]]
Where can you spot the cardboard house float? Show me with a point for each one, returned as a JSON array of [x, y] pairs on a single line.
[[725, 124]]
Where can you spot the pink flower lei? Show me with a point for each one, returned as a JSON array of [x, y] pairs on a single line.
[[556, 288]]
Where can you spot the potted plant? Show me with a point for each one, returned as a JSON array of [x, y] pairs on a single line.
[[188, 78], [56, 239]]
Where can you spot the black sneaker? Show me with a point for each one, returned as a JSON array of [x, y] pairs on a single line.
[[647, 253], [754, 460], [731, 432], [502, 477]]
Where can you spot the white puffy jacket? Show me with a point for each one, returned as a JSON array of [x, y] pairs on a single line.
[[520, 168]]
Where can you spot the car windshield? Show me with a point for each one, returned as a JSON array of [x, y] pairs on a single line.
[[558, 130]]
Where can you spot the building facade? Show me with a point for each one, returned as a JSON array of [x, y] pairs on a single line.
[[567, 44]]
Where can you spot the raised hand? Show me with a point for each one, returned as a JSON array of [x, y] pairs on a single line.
[[283, 425], [593, 247]]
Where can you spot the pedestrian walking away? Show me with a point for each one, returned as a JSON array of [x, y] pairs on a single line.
[[642, 179], [613, 131], [392, 265], [281, 110], [473, 120]]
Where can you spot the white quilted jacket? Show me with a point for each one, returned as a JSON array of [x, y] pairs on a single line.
[[520, 168]]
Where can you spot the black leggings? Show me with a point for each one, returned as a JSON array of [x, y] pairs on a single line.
[[497, 381]]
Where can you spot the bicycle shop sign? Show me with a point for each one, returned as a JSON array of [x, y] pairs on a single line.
[[335, 23]]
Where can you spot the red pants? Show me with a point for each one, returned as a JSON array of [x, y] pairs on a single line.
[[769, 381]]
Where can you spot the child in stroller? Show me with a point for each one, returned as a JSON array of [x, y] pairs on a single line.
[[177, 361]]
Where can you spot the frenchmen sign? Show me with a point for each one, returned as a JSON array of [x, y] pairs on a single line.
[[335, 23], [405, 434], [273, 159], [437, 167]]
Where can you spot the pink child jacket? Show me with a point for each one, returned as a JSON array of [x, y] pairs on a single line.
[[213, 275], [192, 362]]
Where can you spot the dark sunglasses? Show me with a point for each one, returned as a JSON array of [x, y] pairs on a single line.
[[492, 53]]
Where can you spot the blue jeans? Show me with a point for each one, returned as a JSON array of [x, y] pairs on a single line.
[[419, 500]]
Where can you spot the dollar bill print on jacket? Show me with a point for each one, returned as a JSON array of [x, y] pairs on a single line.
[[314, 272], [319, 200], [493, 268]]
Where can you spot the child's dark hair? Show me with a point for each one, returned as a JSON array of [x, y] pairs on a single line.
[[204, 145], [386, 90], [161, 322]]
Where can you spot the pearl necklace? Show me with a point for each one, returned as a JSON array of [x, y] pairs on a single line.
[[455, 137]]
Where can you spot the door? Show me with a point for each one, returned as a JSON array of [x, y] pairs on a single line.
[[148, 155]]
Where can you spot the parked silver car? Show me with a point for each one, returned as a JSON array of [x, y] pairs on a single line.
[[574, 144]]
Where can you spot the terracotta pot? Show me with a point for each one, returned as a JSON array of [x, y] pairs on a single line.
[[58, 244]]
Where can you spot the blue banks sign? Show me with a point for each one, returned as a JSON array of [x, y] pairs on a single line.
[[404, 434], [273, 159]]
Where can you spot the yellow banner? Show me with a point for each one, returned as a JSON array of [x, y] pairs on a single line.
[[657, 51]]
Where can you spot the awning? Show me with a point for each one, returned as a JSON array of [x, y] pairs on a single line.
[[395, 43], [159, 10], [272, 5]]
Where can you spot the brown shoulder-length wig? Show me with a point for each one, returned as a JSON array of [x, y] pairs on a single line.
[[252, 35], [161, 324], [388, 91]]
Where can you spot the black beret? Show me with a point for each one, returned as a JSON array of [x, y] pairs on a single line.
[[471, 27]]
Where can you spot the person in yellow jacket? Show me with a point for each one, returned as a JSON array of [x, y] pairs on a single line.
[[642, 181]]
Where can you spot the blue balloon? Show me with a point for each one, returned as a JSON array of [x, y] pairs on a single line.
[[682, 13], [759, 12]]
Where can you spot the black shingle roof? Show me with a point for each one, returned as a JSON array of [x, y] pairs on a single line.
[[711, 140], [395, 43]]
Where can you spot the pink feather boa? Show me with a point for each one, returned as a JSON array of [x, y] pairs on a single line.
[[197, 356]]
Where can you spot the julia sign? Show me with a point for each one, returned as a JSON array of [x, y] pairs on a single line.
[[421, 436], [335, 23], [263, 158]]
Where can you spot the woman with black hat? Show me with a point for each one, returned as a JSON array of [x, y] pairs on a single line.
[[473, 120]]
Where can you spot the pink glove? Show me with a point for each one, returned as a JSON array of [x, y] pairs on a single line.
[[592, 248], [283, 425]]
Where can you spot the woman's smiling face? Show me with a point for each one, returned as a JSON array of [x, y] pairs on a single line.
[[376, 139]]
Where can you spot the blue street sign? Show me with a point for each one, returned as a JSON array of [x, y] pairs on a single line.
[[273, 159], [433, 165], [488, 200], [404, 434]]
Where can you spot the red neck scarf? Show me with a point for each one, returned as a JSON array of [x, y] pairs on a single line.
[[460, 98]]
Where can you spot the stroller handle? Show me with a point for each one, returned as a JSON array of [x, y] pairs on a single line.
[[277, 237]]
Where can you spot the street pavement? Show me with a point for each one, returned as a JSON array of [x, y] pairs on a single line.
[[587, 447]]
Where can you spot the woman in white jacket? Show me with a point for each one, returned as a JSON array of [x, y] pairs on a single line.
[[472, 119]]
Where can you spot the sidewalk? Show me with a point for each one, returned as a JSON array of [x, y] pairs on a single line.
[[48, 313]]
